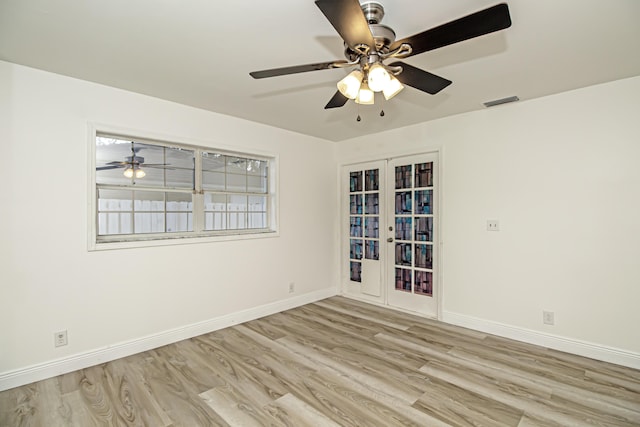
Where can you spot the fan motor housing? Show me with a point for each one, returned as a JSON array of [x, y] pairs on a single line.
[[382, 34]]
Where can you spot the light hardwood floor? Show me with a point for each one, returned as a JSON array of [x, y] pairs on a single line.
[[337, 362]]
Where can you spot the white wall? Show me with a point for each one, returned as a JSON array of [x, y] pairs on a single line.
[[50, 281], [562, 175]]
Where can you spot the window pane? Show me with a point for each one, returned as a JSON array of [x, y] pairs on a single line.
[[213, 180], [115, 200], [125, 162], [256, 184], [257, 167], [236, 203], [177, 222], [257, 220], [215, 206], [236, 220], [179, 178], [213, 162], [236, 189], [236, 165], [180, 202], [258, 203], [114, 223], [149, 222], [236, 182]]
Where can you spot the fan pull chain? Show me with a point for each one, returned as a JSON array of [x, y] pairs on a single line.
[[381, 113]]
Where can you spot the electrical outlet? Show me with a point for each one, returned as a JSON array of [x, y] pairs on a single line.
[[548, 317], [292, 287], [60, 338], [493, 225]]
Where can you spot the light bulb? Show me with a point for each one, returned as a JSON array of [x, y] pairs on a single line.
[[378, 77], [128, 172], [365, 95], [140, 173], [392, 88], [350, 85]]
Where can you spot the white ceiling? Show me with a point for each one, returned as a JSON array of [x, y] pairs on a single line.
[[200, 52]]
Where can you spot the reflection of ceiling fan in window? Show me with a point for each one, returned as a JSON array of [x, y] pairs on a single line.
[[132, 164]]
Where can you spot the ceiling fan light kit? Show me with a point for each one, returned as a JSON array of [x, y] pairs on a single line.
[[368, 44], [350, 85], [130, 172], [365, 95]]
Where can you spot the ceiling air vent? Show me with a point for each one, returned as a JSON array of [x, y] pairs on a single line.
[[501, 101]]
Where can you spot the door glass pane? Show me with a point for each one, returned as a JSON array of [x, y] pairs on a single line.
[[371, 225], [424, 283], [424, 256], [403, 279], [355, 271], [403, 254], [355, 251], [355, 181], [372, 249], [424, 229], [423, 201], [355, 204], [371, 204], [403, 202], [403, 176], [403, 228], [424, 175], [371, 180], [356, 226]]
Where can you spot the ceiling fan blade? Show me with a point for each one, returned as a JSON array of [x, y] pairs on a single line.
[[338, 100], [348, 19], [296, 69], [420, 79], [104, 168], [477, 24]]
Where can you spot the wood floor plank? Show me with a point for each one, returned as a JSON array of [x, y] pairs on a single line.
[[294, 412], [336, 362]]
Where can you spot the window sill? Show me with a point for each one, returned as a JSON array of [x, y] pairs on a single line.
[[179, 239]]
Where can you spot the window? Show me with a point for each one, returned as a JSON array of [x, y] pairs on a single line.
[[148, 190]]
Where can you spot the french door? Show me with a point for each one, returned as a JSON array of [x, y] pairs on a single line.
[[390, 217], [411, 244]]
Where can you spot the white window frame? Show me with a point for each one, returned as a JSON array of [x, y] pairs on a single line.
[[198, 235]]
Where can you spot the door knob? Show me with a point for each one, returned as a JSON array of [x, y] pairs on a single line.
[[390, 239]]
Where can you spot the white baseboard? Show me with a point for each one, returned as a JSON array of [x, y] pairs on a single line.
[[568, 345], [57, 367]]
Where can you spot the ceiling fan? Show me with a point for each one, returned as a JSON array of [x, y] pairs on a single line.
[[368, 44], [132, 164]]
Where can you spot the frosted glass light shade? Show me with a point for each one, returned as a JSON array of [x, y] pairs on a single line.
[[350, 85], [378, 78], [392, 88], [365, 95], [130, 171]]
